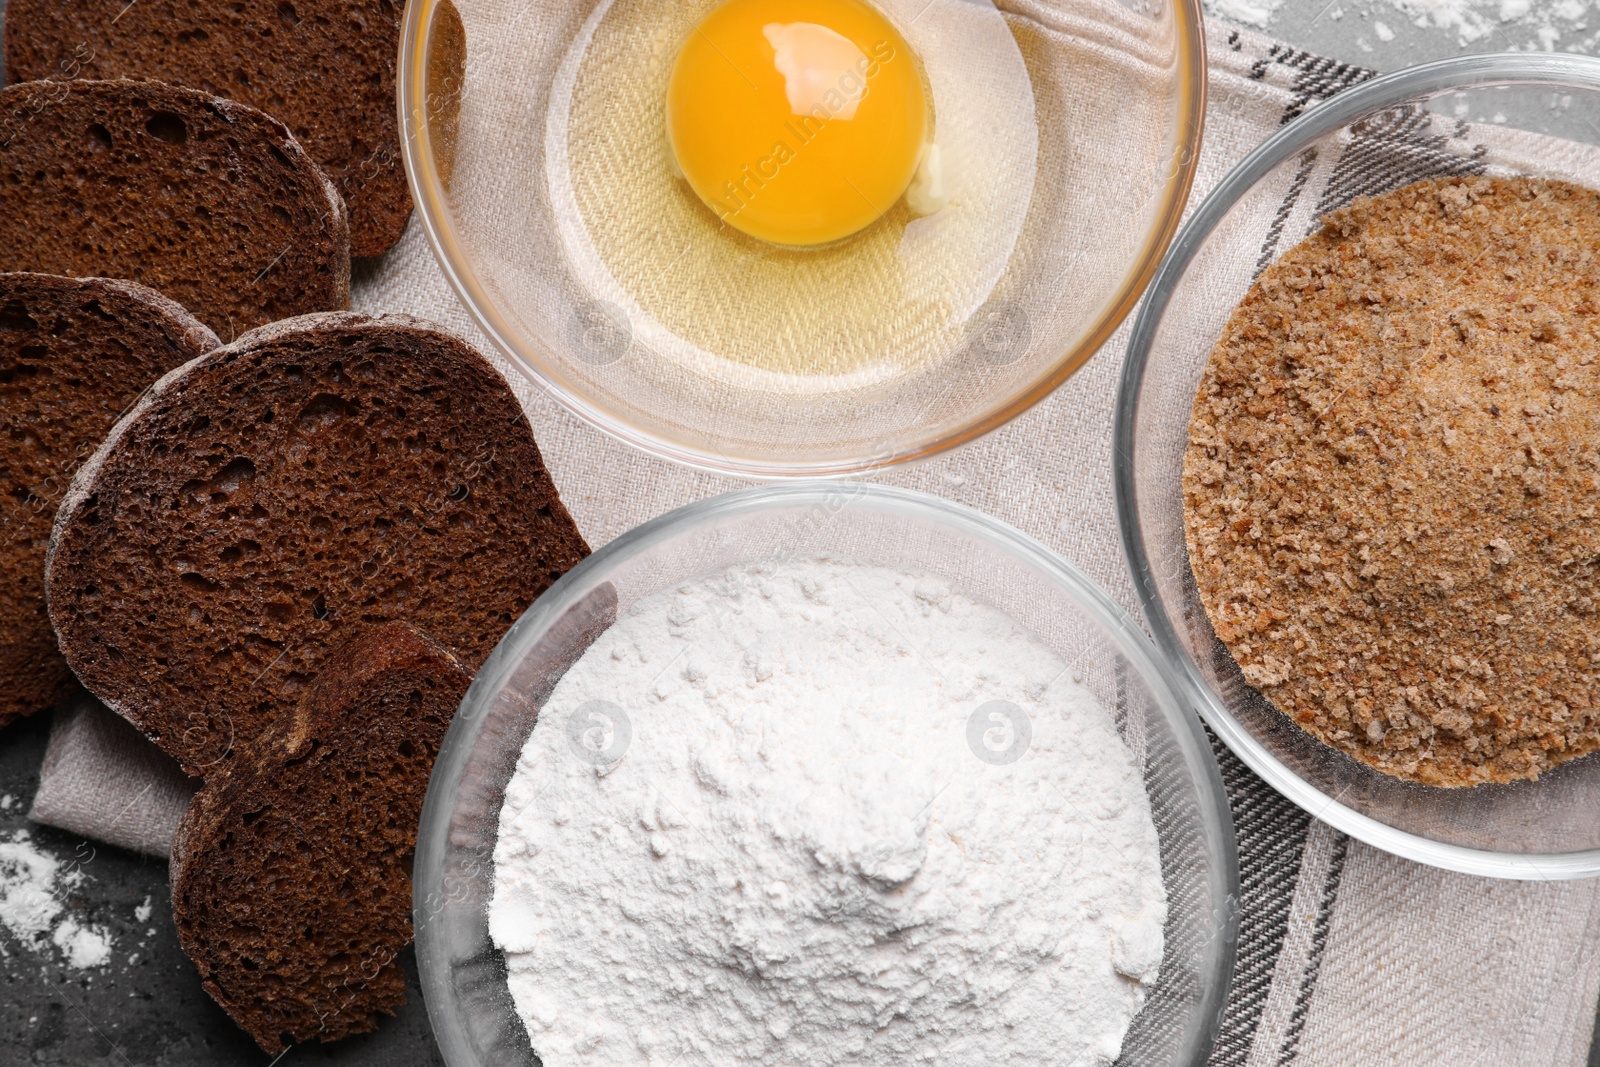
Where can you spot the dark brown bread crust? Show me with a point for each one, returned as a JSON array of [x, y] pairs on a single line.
[[74, 353], [319, 474], [326, 68], [208, 201], [291, 873]]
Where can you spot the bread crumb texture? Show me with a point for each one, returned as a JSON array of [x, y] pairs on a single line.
[[209, 202], [291, 871], [1390, 486], [267, 501], [325, 68], [74, 353]]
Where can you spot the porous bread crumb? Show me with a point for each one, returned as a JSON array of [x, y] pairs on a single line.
[[1392, 477]]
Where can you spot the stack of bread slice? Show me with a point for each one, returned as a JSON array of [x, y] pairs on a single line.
[[283, 563], [324, 68], [277, 537]]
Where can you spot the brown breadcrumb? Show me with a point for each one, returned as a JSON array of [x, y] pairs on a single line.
[[1392, 477]]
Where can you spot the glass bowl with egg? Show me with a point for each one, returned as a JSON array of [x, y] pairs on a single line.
[[1408, 262], [489, 943], [800, 237]]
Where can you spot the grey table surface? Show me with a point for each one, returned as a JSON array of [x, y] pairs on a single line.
[[146, 1009], [1387, 35]]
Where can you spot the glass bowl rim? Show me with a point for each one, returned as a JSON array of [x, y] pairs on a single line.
[[530, 355], [1529, 68], [1223, 879]]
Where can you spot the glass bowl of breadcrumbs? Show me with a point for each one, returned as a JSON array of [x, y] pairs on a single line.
[[1358, 463]]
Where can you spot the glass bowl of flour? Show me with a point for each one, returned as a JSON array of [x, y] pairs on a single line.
[[824, 774]]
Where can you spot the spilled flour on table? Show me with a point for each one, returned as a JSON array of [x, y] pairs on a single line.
[[1249, 12], [33, 890], [1519, 25]]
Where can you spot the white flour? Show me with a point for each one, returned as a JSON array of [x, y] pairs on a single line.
[[33, 884], [1510, 24], [774, 843], [1250, 12]]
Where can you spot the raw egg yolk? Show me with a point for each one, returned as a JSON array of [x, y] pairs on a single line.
[[798, 122]]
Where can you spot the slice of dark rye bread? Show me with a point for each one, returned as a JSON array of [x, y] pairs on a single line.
[[259, 503], [74, 353], [210, 202], [291, 873], [324, 67]]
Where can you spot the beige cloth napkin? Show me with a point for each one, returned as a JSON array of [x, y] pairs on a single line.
[[102, 779], [1347, 956]]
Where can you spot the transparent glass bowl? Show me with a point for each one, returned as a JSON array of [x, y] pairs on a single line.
[[463, 974], [590, 289], [1506, 114]]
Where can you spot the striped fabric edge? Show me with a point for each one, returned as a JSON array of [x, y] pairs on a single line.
[[1272, 833]]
